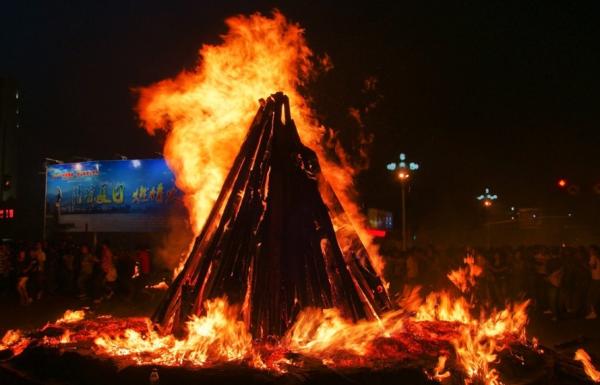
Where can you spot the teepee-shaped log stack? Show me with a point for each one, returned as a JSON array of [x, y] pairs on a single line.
[[277, 239]]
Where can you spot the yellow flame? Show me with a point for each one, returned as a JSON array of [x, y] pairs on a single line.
[[217, 336], [71, 316], [15, 341], [207, 111], [464, 278]]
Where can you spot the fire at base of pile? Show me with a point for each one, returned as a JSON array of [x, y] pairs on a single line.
[[435, 340]]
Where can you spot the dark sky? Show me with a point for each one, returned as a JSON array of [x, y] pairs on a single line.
[[479, 94]]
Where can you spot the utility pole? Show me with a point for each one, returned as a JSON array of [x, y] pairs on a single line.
[[403, 171], [487, 200], [46, 161]]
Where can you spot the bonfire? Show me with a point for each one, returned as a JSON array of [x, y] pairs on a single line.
[[282, 282]]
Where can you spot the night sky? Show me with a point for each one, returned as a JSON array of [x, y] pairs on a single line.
[[479, 94]]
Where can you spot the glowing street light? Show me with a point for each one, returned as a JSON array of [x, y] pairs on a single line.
[[403, 170], [487, 198], [562, 183]]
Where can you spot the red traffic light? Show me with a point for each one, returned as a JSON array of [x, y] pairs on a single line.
[[562, 183]]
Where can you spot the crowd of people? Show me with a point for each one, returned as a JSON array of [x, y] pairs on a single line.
[[562, 282], [36, 270]]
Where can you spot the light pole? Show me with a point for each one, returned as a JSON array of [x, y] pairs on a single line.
[[403, 170], [487, 200], [46, 161]]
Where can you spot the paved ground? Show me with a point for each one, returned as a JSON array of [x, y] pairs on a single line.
[[51, 308], [563, 335]]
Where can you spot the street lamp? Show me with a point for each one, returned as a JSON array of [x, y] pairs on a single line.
[[403, 170], [562, 183], [46, 162], [487, 199]]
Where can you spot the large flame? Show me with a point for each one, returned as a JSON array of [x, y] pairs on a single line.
[[207, 111]]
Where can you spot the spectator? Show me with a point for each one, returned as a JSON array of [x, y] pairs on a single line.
[[499, 271], [39, 258], [594, 289], [67, 268], [483, 281], [412, 272], [555, 280], [5, 267], [143, 262], [109, 271], [88, 261], [24, 268]]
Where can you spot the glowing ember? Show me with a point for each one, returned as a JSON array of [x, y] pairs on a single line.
[[589, 368], [207, 112], [162, 285]]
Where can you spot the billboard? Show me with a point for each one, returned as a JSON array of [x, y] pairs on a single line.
[[112, 195]]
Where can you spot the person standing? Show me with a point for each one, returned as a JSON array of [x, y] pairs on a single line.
[[107, 263], [594, 289], [88, 261], [5, 267], [555, 276], [24, 267], [39, 257]]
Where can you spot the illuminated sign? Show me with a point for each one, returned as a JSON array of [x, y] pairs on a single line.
[[7, 213], [95, 195]]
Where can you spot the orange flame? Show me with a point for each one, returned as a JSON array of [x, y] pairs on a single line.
[[162, 285], [588, 367], [71, 316], [15, 341], [439, 374], [464, 278], [217, 336], [65, 338], [324, 332], [207, 111], [480, 341]]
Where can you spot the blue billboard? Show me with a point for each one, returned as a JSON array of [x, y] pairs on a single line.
[[112, 195]]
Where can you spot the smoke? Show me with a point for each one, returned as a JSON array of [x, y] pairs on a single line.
[[175, 243]]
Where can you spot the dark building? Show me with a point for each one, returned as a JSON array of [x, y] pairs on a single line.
[[9, 127]]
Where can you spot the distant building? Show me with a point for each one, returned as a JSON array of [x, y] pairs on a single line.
[[9, 126]]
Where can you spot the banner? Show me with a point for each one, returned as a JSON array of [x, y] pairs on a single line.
[[92, 196]]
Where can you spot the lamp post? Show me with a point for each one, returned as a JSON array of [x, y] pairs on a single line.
[[403, 170], [487, 200], [46, 162]]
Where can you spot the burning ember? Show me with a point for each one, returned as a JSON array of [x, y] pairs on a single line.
[[227, 303], [220, 336]]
